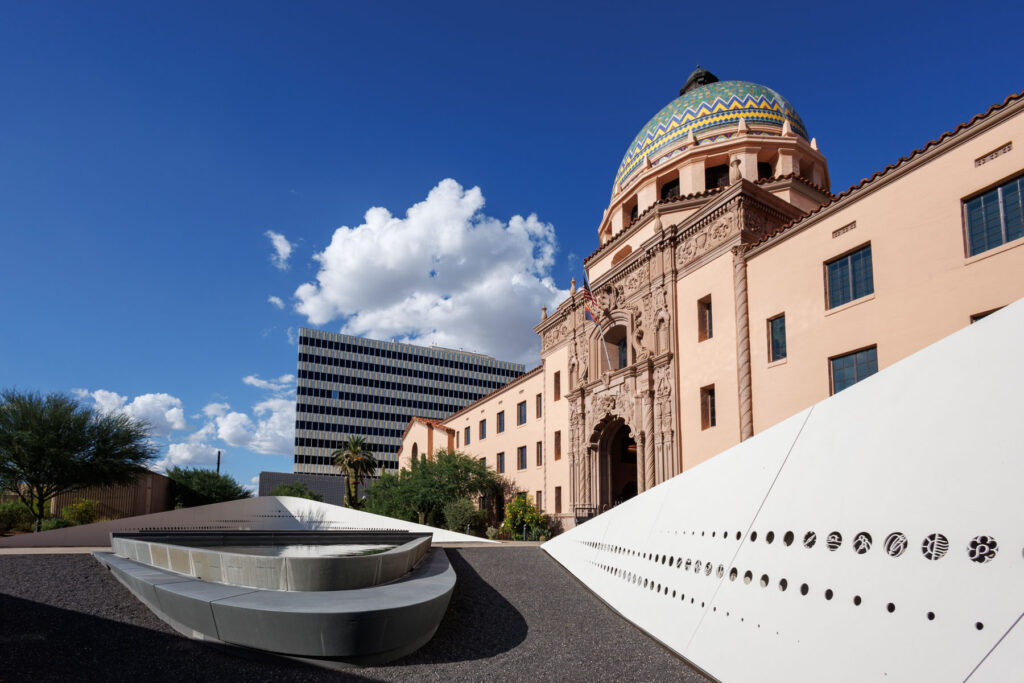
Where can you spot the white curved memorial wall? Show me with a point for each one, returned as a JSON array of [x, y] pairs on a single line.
[[877, 535]]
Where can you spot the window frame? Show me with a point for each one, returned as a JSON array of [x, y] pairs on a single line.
[[482, 434], [831, 370], [998, 187], [708, 416], [540, 453], [558, 385], [540, 406], [500, 417], [468, 431], [521, 458], [521, 413], [558, 444], [771, 345], [836, 259], [705, 319], [501, 462]]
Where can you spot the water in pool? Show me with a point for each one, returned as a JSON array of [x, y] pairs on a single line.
[[338, 550]]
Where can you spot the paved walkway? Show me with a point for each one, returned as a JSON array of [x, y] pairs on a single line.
[[515, 615]]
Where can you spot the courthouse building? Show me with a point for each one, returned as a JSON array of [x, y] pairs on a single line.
[[733, 289]]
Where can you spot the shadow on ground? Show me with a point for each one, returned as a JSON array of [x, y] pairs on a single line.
[[479, 624]]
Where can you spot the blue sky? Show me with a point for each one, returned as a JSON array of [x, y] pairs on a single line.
[[152, 153]]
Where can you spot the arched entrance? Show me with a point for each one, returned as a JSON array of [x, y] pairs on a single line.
[[617, 465]]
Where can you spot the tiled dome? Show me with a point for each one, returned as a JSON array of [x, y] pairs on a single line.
[[714, 105]]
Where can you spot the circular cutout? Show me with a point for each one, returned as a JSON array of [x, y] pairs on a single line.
[[891, 607], [931, 616], [895, 544], [982, 549], [764, 580], [720, 572], [689, 563], [769, 537], [783, 584], [828, 594], [739, 535], [733, 573], [834, 540], [748, 577], [856, 600], [934, 546], [697, 566], [753, 536], [810, 538], [707, 569], [713, 534], [862, 543], [679, 562], [788, 538], [803, 589], [978, 625]]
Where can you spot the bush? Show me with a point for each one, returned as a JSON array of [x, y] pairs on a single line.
[[297, 490], [52, 523], [492, 533], [192, 486], [15, 517], [84, 511], [520, 512], [462, 514]]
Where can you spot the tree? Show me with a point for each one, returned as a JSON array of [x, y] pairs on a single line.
[[420, 494], [192, 486], [52, 444], [298, 490], [358, 463]]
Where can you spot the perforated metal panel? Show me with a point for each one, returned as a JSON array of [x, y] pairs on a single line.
[[876, 536]]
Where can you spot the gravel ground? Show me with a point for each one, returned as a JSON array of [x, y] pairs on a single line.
[[515, 615]]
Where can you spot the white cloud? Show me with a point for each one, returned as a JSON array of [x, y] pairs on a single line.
[[187, 454], [293, 338], [163, 412], [276, 300], [273, 431], [216, 409], [282, 249], [445, 274], [282, 383]]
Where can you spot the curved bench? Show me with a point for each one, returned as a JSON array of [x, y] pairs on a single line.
[[362, 626]]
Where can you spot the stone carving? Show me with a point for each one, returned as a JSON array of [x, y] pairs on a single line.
[[608, 298], [708, 236], [662, 382], [637, 279], [556, 335]]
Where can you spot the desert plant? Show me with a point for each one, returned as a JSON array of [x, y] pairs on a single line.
[[192, 486], [461, 515], [84, 511], [522, 512], [15, 517], [51, 444], [51, 523], [297, 489], [492, 532]]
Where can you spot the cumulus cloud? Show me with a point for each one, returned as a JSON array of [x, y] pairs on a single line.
[[282, 249], [444, 273], [276, 300], [191, 453], [273, 431], [163, 412], [282, 383], [293, 337]]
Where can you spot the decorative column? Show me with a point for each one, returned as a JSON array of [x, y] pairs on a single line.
[[641, 459], [649, 455], [739, 264]]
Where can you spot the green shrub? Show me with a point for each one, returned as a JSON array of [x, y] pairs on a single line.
[[84, 511], [520, 512], [15, 517], [51, 523], [492, 532], [297, 490], [462, 514]]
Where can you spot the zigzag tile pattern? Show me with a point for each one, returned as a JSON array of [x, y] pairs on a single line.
[[715, 105]]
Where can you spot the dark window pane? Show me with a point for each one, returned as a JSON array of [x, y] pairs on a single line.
[[777, 336]]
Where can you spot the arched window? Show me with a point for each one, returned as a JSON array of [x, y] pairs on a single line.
[[616, 343], [621, 254], [670, 190], [415, 451]]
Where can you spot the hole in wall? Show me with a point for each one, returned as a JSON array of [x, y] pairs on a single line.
[[803, 589], [931, 616], [753, 536], [733, 574], [934, 546], [787, 540], [720, 572], [707, 569], [769, 537], [856, 600], [862, 543], [978, 625], [982, 549], [810, 538], [895, 544], [834, 540], [828, 594], [764, 580], [748, 577], [891, 608], [738, 535], [783, 584]]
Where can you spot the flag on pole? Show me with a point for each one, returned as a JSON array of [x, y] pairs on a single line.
[[590, 303]]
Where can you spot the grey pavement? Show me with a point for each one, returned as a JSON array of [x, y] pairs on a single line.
[[515, 615]]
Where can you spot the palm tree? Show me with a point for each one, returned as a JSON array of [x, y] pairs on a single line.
[[358, 463]]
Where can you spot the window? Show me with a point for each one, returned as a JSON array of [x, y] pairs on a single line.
[[483, 461], [851, 368], [558, 385], [467, 436], [995, 217], [501, 463], [670, 190], [849, 277], [622, 356], [501, 422], [707, 407], [521, 458], [777, 338], [456, 439], [540, 504], [764, 170], [558, 500], [521, 413], [716, 176], [558, 445], [704, 320], [483, 429], [540, 453], [540, 402]]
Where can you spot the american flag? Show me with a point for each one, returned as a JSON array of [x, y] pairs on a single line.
[[590, 304]]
